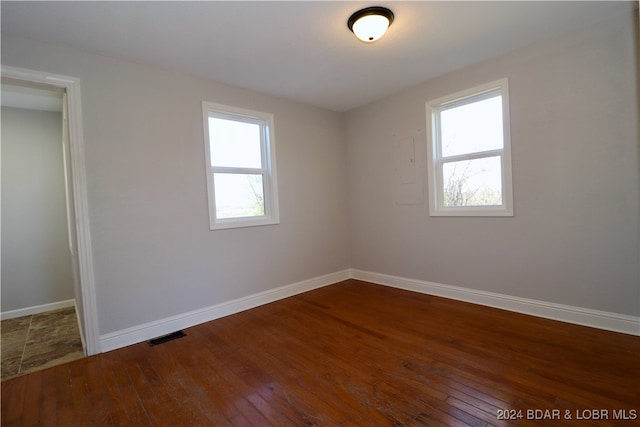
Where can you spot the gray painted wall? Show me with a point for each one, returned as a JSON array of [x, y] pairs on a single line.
[[574, 137], [154, 255], [36, 262], [573, 239]]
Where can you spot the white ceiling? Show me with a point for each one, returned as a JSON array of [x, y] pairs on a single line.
[[31, 99], [30, 96], [303, 50]]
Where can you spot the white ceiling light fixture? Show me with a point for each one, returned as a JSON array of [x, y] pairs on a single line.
[[371, 23]]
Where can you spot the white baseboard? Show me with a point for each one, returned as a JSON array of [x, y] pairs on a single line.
[[37, 309], [140, 333], [565, 313]]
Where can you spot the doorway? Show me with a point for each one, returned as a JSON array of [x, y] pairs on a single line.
[[39, 324], [77, 219]]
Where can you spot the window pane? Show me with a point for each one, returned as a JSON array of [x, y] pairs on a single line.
[[473, 182], [239, 195], [472, 127], [234, 143]]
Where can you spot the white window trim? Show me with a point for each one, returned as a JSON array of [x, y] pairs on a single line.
[[268, 171], [435, 161]]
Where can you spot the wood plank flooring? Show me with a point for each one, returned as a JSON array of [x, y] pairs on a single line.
[[351, 354]]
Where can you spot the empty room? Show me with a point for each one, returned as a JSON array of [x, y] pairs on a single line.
[[325, 213]]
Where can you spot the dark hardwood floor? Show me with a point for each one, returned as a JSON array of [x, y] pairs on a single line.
[[351, 354]]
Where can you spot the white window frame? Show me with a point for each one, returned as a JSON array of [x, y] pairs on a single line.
[[268, 169], [436, 160]]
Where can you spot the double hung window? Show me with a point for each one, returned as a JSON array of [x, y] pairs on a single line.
[[241, 174], [469, 153]]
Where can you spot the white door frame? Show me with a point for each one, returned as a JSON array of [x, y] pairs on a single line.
[[79, 189]]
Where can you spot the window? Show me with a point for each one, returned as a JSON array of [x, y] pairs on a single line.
[[469, 153], [241, 168]]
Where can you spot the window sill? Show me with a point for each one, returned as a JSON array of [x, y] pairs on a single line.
[[223, 224], [471, 212]]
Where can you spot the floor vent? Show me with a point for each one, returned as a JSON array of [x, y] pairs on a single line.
[[165, 338]]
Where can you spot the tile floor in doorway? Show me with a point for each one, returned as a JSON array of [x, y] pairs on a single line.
[[39, 341]]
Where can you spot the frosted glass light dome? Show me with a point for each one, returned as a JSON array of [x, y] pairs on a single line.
[[370, 28], [371, 23]]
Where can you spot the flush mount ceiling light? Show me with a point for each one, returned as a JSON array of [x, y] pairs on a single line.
[[371, 23]]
